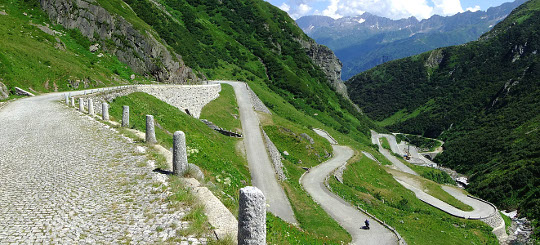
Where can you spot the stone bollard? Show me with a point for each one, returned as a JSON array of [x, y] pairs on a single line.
[[91, 107], [105, 111], [251, 216], [72, 102], [180, 162], [125, 116], [81, 104], [67, 99], [150, 130]]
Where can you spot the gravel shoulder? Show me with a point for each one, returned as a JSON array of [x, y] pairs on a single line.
[[66, 178]]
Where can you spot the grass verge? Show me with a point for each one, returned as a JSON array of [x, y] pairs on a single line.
[[223, 111], [369, 186], [214, 153]]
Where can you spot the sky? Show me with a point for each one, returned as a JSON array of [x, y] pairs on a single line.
[[393, 9]]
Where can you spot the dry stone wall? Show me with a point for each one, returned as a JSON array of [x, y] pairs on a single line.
[[275, 156], [190, 97], [193, 98]]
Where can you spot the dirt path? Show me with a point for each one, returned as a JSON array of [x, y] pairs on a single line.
[[262, 173], [349, 217]]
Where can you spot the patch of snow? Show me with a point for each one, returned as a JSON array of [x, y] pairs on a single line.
[[360, 21]]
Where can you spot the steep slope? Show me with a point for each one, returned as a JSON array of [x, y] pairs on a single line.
[[365, 41], [481, 98], [256, 42], [39, 56]]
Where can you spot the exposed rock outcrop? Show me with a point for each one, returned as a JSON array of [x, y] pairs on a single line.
[[20, 91], [136, 47], [4, 92], [328, 62]]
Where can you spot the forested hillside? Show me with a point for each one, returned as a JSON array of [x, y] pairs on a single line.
[[481, 98]]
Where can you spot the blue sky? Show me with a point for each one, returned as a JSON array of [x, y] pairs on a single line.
[[394, 9]]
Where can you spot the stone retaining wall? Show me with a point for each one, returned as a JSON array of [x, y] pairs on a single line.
[[258, 105], [275, 156], [190, 97]]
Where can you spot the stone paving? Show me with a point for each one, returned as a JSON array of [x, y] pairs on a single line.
[[67, 179]]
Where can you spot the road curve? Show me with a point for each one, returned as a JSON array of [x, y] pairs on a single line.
[[398, 164], [350, 218], [262, 173], [481, 209]]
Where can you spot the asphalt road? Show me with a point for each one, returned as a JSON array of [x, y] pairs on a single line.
[[480, 209], [349, 217], [262, 173]]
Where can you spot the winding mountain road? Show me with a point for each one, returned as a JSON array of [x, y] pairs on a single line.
[[349, 217], [262, 173], [481, 209], [67, 179]]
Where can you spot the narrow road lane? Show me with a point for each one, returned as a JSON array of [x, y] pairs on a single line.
[[349, 217], [262, 173], [481, 209]]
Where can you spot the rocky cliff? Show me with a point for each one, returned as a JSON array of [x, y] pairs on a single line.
[[137, 47], [328, 62]]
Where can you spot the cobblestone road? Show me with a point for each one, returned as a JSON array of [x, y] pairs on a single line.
[[67, 179]]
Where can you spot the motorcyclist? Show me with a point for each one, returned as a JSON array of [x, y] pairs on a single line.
[[367, 223]]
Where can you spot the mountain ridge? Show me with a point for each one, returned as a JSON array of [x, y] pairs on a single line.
[[364, 41], [481, 98]]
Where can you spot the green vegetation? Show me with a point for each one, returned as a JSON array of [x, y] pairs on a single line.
[[436, 175], [214, 153], [485, 107], [312, 218], [384, 143], [424, 144], [41, 62], [507, 221], [251, 41], [369, 186], [223, 111]]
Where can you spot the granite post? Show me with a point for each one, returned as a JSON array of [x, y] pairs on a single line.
[[180, 162], [150, 130], [105, 111], [125, 116], [81, 104], [251, 216], [72, 102], [67, 99], [91, 107]]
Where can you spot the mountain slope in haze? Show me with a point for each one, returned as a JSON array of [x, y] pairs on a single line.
[[481, 98], [365, 41]]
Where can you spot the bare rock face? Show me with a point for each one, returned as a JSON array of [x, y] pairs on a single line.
[[141, 51], [4, 92], [329, 63]]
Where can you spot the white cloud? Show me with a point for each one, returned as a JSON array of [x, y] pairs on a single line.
[[474, 9], [447, 7], [393, 9], [285, 7]]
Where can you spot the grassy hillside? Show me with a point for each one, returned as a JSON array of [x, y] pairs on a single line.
[[481, 98], [250, 41], [56, 60], [247, 40]]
